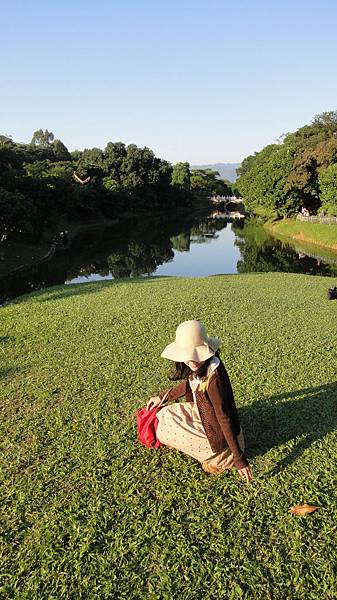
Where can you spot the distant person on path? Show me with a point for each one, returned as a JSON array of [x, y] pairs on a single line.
[[206, 426], [64, 238]]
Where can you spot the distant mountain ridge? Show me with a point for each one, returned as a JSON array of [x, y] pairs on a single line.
[[226, 170]]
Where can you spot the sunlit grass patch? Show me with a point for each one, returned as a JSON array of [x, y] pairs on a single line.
[[87, 512], [314, 233]]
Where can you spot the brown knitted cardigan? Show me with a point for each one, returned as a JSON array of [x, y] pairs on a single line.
[[217, 412]]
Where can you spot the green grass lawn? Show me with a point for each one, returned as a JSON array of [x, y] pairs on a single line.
[[86, 512], [315, 233]]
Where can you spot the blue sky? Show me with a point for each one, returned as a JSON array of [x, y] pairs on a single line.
[[197, 81]]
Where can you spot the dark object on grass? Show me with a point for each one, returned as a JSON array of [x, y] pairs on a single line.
[[332, 293]]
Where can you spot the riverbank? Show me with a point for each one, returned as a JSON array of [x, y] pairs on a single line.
[[19, 255], [318, 234], [85, 507], [22, 254]]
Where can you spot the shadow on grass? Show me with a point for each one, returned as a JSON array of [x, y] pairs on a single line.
[[4, 339], [309, 414], [8, 372]]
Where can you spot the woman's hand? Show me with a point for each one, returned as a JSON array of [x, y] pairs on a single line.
[[246, 473], [153, 402]]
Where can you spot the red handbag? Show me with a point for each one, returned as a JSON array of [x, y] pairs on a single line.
[[147, 424]]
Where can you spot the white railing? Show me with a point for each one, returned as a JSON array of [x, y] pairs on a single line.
[[316, 219], [234, 199]]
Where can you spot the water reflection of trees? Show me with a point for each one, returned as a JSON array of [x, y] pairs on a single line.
[[151, 245], [181, 242], [138, 247], [139, 259], [206, 230], [261, 252], [202, 232]]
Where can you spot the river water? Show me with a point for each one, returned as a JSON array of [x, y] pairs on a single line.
[[190, 247]]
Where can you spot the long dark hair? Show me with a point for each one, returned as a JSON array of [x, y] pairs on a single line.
[[182, 371]]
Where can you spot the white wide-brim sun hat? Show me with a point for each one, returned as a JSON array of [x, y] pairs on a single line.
[[191, 343]]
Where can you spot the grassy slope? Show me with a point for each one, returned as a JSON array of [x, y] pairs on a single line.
[[314, 233], [87, 512]]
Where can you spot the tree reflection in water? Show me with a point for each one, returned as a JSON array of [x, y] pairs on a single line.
[[139, 259], [134, 247], [152, 245], [138, 246], [260, 252]]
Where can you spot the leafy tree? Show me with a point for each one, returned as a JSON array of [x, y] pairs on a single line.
[[326, 152], [76, 155], [313, 147], [114, 154], [223, 187], [327, 120], [15, 212], [42, 174], [328, 188], [60, 151], [282, 177], [302, 180], [42, 138], [263, 185], [181, 176], [206, 182], [246, 165], [86, 201], [164, 169], [4, 140], [134, 168]]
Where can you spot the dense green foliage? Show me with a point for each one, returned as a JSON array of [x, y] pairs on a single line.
[[209, 183], [87, 513], [328, 185], [298, 171], [41, 182]]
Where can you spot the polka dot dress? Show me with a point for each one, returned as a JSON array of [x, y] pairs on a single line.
[[180, 427]]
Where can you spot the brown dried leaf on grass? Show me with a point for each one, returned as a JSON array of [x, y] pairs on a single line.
[[303, 509]]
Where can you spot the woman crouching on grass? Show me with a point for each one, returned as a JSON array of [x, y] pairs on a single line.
[[206, 426]]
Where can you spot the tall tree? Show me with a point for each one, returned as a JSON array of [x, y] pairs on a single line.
[[328, 189], [60, 151], [42, 138], [181, 176]]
